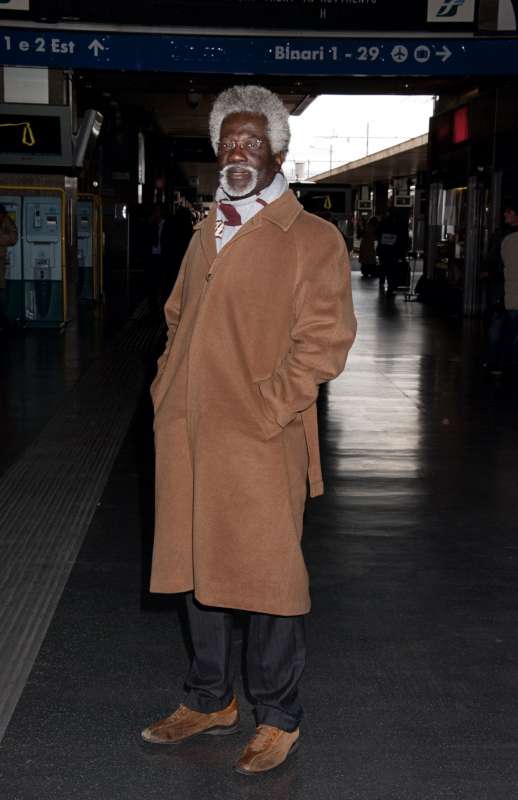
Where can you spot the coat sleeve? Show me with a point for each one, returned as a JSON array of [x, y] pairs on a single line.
[[322, 333]]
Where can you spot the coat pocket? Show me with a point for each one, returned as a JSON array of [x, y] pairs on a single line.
[[269, 427]]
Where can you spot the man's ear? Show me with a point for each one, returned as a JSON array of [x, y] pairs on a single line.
[[279, 160]]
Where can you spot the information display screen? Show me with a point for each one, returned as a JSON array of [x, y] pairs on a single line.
[[324, 15], [325, 198], [35, 135]]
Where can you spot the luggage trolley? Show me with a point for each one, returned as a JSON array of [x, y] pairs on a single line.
[[403, 276]]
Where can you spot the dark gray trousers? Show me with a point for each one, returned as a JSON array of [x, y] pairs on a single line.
[[275, 661]]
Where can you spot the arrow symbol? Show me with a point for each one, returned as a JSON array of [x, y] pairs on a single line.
[[97, 47], [444, 54]]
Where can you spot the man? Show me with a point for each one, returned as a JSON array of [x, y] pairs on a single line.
[[8, 238], [391, 250], [509, 253], [261, 314]]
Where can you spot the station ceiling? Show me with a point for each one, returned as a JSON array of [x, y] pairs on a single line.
[[181, 103]]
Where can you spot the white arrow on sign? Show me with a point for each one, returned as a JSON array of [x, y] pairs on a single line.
[[96, 46], [444, 54]]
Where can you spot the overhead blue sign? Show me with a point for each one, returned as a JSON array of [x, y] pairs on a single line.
[[249, 55]]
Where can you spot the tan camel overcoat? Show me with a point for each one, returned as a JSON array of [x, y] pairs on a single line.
[[252, 332]]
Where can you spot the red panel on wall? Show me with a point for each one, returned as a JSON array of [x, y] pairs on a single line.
[[461, 125]]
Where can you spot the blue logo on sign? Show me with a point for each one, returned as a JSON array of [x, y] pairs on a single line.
[[449, 8]]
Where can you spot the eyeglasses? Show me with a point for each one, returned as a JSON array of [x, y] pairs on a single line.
[[252, 145]]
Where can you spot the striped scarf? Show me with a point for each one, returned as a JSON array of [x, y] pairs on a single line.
[[232, 214]]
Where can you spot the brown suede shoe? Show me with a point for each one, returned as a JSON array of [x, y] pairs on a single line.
[[268, 749], [185, 723]]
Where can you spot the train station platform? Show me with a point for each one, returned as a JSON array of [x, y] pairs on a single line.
[[411, 686]]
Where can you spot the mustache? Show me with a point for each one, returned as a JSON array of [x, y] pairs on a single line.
[[238, 168], [226, 173]]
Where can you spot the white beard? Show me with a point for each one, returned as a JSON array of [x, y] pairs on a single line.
[[248, 187]]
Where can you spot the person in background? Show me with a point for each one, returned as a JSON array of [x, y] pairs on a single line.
[[391, 251], [367, 253], [8, 238], [154, 264], [161, 267], [347, 230], [181, 230], [261, 315]]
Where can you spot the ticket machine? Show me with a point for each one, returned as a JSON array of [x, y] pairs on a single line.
[[14, 272], [43, 274]]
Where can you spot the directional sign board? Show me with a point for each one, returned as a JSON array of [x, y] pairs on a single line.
[[247, 55]]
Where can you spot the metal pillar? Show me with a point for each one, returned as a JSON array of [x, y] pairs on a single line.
[[496, 202], [434, 228], [474, 217]]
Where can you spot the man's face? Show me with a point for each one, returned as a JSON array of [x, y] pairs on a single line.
[[511, 216], [245, 171]]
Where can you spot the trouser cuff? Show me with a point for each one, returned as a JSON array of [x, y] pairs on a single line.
[[207, 704], [268, 715]]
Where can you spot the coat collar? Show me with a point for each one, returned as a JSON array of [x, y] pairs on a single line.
[[282, 212]]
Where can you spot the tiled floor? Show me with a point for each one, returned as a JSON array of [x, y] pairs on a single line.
[[411, 686], [38, 367]]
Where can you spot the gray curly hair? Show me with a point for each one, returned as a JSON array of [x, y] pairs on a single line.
[[252, 100]]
